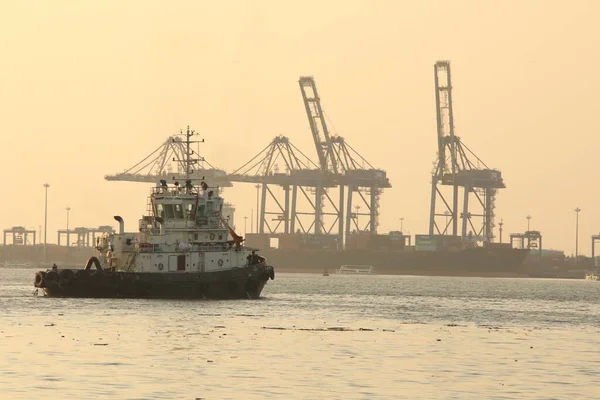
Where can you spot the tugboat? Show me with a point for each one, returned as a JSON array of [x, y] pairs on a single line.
[[181, 250]]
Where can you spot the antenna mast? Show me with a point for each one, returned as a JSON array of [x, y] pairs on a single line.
[[188, 154], [189, 161]]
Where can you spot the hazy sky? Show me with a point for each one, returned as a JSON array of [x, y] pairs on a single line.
[[90, 88]]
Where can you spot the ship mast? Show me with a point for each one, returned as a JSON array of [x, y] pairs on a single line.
[[189, 161], [188, 155]]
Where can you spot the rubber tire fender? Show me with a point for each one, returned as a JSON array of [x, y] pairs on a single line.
[[39, 279]]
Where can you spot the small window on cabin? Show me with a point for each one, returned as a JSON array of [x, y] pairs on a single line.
[[201, 210], [160, 211], [169, 213], [189, 210], [178, 209]]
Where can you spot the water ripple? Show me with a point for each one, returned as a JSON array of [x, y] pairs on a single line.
[[367, 337]]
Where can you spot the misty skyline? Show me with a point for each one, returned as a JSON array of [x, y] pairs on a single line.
[[90, 89]]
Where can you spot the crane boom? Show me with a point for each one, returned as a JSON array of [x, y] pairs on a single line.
[[445, 117], [318, 126], [458, 167], [237, 239]]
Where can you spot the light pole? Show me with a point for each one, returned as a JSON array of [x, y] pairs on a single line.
[[68, 209], [357, 207], [46, 186], [401, 225], [257, 188], [528, 220], [577, 233], [501, 224], [245, 220]]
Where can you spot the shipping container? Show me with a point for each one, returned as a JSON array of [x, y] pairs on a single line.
[[428, 242], [498, 245]]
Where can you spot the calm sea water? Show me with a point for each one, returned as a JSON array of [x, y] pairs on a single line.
[[309, 337]]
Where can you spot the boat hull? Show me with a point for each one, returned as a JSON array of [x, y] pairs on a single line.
[[238, 283]]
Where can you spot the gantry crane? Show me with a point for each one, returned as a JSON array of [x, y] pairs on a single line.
[[305, 184], [327, 160], [350, 170], [168, 162], [458, 167], [298, 176], [358, 176]]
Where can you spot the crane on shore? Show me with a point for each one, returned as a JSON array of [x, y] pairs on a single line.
[[458, 168], [167, 162], [308, 205]]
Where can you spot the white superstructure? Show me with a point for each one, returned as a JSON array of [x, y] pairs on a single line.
[[185, 232], [188, 229]]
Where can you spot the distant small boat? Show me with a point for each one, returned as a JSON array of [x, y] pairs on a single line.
[[356, 269], [591, 277], [325, 273]]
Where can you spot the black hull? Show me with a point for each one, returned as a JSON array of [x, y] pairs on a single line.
[[469, 262], [238, 283]]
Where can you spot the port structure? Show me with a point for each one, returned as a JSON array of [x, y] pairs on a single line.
[[83, 235], [595, 241], [341, 180], [300, 178], [19, 235], [310, 204], [351, 171], [458, 168], [531, 240], [168, 162], [364, 185]]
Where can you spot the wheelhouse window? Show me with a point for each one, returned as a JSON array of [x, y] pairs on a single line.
[[169, 213], [178, 211], [189, 210], [160, 211]]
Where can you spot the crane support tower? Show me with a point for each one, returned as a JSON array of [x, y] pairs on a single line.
[[459, 168], [298, 176], [327, 160]]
